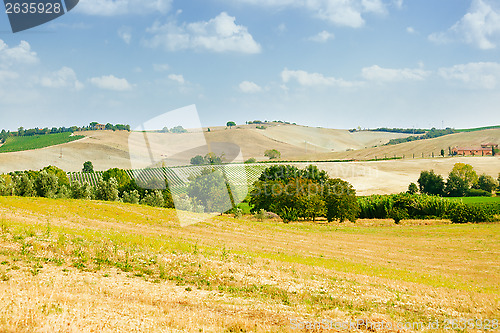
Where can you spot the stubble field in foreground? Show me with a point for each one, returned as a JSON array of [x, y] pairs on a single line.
[[87, 266]]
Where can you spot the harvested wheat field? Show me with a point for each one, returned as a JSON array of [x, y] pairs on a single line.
[[89, 266]]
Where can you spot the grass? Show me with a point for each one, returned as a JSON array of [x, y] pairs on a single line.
[[23, 143], [476, 200], [69, 265]]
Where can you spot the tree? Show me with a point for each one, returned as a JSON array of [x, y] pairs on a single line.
[[24, 186], [251, 160], [456, 186], [487, 183], [341, 201], [78, 190], [120, 176], [230, 124], [197, 160], [211, 191], [178, 130], [431, 183], [62, 176], [93, 124], [272, 154], [153, 199], [412, 188], [466, 173], [107, 190], [88, 167], [442, 152], [212, 158], [46, 184]]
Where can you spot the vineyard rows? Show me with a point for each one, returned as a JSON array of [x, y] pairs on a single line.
[[239, 175]]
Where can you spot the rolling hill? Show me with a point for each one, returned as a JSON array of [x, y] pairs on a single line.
[[108, 149]]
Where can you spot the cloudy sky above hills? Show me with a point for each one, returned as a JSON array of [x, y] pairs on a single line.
[[330, 63]]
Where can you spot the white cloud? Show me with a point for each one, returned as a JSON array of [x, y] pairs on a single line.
[[379, 74], [123, 7], [20, 54], [249, 87], [110, 82], [282, 28], [161, 67], [322, 37], [63, 78], [478, 75], [125, 33], [398, 3], [314, 79], [340, 12], [6, 75], [410, 30], [479, 27], [177, 78], [220, 34]]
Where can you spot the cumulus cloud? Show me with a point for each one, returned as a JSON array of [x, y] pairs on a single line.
[[125, 33], [63, 78], [322, 37], [476, 75], [123, 7], [379, 74], [20, 54], [340, 12], [479, 27], [314, 79], [249, 87], [110, 82], [410, 30], [220, 34], [177, 78]]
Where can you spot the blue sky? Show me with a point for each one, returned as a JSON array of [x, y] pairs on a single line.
[[329, 63]]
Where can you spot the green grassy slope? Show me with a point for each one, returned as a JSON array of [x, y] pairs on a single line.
[[22, 143]]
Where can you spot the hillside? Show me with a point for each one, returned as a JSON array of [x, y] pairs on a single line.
[[88, 266], [108, 149]]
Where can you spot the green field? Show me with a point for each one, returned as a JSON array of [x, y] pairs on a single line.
[[477, 200], [22, 143]]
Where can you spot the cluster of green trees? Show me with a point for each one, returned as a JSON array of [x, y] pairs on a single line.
[[309, 193], [115, 185], [462, 181], [175, 130], [433, 133], [43, 131], [208, 159]]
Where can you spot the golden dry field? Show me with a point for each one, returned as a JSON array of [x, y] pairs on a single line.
[[89, 266]]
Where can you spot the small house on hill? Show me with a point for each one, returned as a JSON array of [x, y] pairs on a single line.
[[100, 127], [486, 149]]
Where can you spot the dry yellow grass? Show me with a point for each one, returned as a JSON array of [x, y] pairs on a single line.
[[80, 266]]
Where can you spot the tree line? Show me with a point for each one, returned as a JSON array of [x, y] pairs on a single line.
[[21, 131]]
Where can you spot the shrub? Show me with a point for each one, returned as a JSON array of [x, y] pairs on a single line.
[[78, 190], [477, 193], [132, 197], [107, 190], [288, 214], [272, 154], [398, 214], [462, 213], [6, 185], [153, 198], [251, 160]]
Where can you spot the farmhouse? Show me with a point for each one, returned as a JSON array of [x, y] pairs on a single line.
[[486, 149], [100, 127]]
